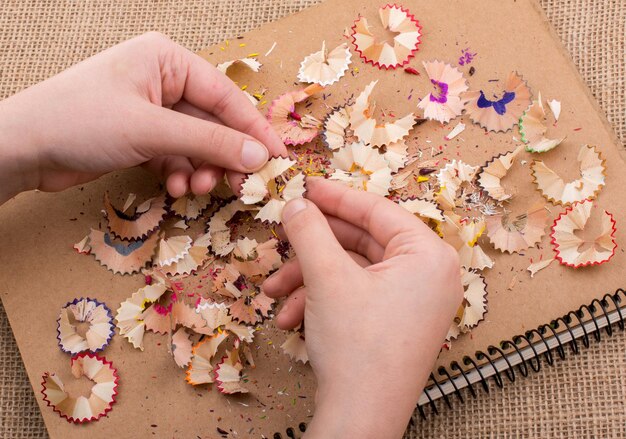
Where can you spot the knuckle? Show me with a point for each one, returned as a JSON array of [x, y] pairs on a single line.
[[217, 140], [257, 123], [173, 70], [170, 165], [304, 224], [154, 37], [299, 224], [362, 243], [225, 99]]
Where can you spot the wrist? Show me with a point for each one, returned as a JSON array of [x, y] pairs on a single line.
[[364, 410], [18, 169]]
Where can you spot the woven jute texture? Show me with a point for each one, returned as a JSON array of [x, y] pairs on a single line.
[[580, 397]]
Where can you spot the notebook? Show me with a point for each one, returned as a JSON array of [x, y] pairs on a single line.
[[41, 272]]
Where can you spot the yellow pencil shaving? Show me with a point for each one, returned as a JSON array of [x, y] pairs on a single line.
[[244, 87], [242, 45], [258, 96], [356, 167], [473, 242], [263, 103], [274, 233], [222, 49], [422, 178], [227, 43], [252, 55], [438, 228]]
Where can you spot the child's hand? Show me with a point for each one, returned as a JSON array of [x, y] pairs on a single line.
[[145, 101], [372, 333]]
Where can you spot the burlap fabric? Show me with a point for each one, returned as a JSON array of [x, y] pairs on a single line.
[[580, 397]]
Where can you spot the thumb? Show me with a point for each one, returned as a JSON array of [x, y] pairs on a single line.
[[161, 131], [319, 253]]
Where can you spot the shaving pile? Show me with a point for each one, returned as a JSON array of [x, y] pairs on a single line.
[[82, 409], [205, 257]]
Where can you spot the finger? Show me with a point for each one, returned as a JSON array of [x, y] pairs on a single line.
[[319, 252], [382, 218], [356, 240], [177, 184], [235, 179], [285, 280], [210, 90], [159, 131], [289, 277], [360, 259], [351, 238], [292, 312], [185, 107], [205, 178], [174, 170]]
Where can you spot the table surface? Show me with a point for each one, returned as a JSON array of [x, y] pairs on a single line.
[[583, 396]]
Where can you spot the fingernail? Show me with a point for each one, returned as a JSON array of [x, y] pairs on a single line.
[[209, 183], [293, 207], [206, 186], [253, 155]]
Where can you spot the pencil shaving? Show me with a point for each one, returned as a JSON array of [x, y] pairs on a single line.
[[591, 181], [122, 257], [500, 114], [295, 347], [138, 226], [443, 104], [272, 187], [361, 167], [100, 326], [324, 67], [521, 233], [388, 54], [491, 175], [336, 126], [292, 127], [567, 245], [533, 129], [190, 207], [228, 374], [82, 409], [372, 132]]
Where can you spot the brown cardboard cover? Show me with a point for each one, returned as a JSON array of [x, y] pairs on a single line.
[[41, 272]]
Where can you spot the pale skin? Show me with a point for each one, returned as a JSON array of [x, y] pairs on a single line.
[[376, 288]]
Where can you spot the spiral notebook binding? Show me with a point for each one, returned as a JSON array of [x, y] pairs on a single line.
[[290, 432], [524, 352]]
